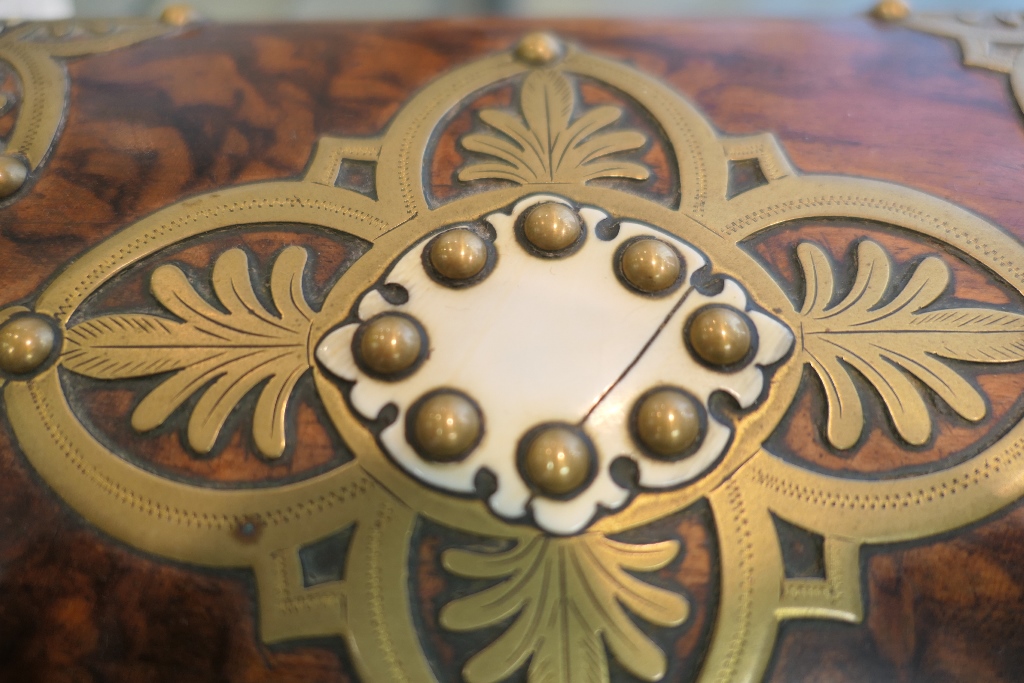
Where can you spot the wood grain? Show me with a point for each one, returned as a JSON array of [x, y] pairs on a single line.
[[219, 106]]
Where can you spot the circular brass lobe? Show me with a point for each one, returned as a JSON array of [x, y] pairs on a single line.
[[552, 226], [891, 10], [458, 254], [668, 422], [178, 15], [650, 265], [539, 48], [390, 344], [13, 173], [721, 335], [25, 344], [558, 461], [446, 427]]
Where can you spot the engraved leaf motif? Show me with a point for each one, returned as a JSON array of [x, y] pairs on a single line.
[[889, 341], [568, 595], [222, 355], [545, 145]]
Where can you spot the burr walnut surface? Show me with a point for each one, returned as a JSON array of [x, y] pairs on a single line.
[[217, 106]]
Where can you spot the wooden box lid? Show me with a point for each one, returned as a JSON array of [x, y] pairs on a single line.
[[492, 351]]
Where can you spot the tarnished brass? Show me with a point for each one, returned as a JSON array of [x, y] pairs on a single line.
[[458, 254], [891, 10], [650, 265], [12, 174], [539, 48], [720, 335], [557, 460], [25, 344], [668, 422], [179, 15], [447, 425], [562, 603], [390, 344], [552, 227]]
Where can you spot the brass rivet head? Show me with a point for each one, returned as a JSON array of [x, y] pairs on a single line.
[[668, 422], [178, 15], [720, 335], [891, 10], [13, 173], [558, 461], [539, 49], [458, 254], [446, 427], [25, 344], [249, 529], [390, 344], [650, 265], [551, 226]]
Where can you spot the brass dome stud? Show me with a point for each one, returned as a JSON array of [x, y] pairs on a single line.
[[389, 344], [458, 254], [25, 344], [13, 173], [179, 15], [720, 335], [539, 49], [558, 461], [446, 426], [650, 265], [891, 10], [551, 226], [667, 422]]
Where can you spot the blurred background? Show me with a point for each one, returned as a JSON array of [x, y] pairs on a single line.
[[266, 10]]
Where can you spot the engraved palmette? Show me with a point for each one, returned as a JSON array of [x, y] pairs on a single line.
[[494, 356]]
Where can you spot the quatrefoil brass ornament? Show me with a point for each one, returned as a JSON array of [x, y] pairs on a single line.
[[550, 357]]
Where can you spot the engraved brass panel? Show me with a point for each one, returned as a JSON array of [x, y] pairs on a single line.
[[570, 599]]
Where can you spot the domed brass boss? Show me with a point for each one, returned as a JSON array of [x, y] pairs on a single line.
[[551, 226], [458, 254], [178, 15], [13, 173], [558, 461], [389, 344], [891, 10], [445, 426], [650, 265], [667, 422], [720, 335], [538, 49], [25, 344]]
